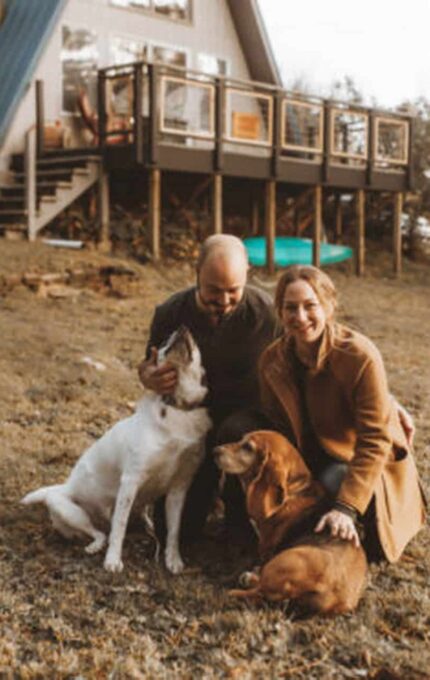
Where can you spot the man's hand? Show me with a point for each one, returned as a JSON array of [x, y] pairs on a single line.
[[406, 421], [160, 379], [339, 524]]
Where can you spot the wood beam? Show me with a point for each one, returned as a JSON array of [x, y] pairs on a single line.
[[154, 211], [338, 219], [104, 242], [316, 248], [397, 233], [217, 203], [255, 215], [359, 232], [270, 224]]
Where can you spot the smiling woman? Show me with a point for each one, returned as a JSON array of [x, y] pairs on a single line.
[[325, 385]]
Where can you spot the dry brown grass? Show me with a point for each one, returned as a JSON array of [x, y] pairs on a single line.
[[61, 615]]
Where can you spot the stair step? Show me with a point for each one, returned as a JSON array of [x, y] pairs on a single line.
[[12, 217], [18, 190], [11, 202], [66, 161], [58, 173], [48, 199]]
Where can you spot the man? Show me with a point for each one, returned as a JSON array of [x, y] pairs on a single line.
[[232, 322]]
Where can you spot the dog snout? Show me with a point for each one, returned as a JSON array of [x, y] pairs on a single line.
[[220, 453]]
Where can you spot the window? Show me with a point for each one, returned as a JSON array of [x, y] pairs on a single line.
[[79, 57], [176, 10], [211, 65], [169, 56], [126, 50]]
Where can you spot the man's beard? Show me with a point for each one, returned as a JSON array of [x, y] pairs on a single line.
[[216, 313]]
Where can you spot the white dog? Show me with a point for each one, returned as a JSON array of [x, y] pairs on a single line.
[[155, 452]]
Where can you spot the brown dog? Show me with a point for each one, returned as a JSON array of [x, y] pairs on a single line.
[[325, 574]]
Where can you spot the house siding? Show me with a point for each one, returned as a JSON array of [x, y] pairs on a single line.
[[211, 31]]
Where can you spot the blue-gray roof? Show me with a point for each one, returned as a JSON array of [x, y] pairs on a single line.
[[23, 34]]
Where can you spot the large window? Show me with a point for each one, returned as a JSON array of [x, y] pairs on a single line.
[[79, 57], [169, 56], [126, 50], [211, 65], [177, 10]]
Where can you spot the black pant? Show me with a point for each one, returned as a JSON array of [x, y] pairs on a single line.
[[204, 486]]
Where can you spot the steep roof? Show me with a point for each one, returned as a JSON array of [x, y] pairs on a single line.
[[28, 23], [254, 40], [23, 32]]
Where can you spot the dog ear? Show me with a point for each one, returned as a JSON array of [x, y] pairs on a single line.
[[267, 491]]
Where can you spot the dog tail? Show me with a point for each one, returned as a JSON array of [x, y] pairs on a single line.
[[38, 496]]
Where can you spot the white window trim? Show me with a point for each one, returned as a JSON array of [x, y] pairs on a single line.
[[150, 12]]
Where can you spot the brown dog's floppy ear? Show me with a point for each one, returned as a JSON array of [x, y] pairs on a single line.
[[266, 493]]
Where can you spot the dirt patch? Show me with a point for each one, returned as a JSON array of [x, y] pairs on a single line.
[[67, 372]]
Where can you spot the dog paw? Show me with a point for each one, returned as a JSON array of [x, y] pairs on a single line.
[[113, 563], [174, 563], [96, 545]]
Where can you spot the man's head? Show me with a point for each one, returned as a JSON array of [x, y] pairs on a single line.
[[221, 275]]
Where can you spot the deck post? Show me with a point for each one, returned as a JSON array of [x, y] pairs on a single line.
[[30, 181], [255, 215], [101, 108], [316, 246], [270, 224], [217, 203], [338, 219], [397, 233], [104, 242], [153, 134], [137, 113], [359, 232], [154, 211], [40, 119]]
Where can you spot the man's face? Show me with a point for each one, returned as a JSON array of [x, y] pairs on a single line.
[[220, 285]]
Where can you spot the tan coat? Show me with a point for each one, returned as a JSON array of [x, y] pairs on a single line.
[[355, 420]]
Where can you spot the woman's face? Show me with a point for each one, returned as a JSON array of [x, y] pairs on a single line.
[[303, 315]]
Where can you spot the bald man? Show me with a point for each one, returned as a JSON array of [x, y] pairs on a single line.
[[232, 322]]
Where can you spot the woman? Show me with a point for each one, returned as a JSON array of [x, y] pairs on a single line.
[[324, 385]]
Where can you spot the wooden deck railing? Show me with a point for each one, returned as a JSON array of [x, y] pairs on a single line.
[[168, 105]]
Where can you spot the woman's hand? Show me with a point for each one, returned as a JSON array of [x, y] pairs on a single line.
[[339, 524]]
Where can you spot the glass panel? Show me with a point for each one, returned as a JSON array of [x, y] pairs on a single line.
[[174, 9], [392, 141], [146, 4], [187, 107], [79, 57], [248, 117], [170, 56], [211, 65], [126, 51], [349, 134], [120, 97], [302, 125]]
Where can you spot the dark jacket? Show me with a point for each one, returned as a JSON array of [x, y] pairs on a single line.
[[230, 351]]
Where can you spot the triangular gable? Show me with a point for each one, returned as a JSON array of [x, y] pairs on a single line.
[[23, 34]]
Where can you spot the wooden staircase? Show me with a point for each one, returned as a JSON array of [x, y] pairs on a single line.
[[57, 179]]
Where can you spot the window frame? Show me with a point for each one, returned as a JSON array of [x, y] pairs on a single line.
[[75, 27], [151, 11]]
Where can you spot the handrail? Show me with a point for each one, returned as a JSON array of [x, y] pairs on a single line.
[[271, 106], [30, 181]]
